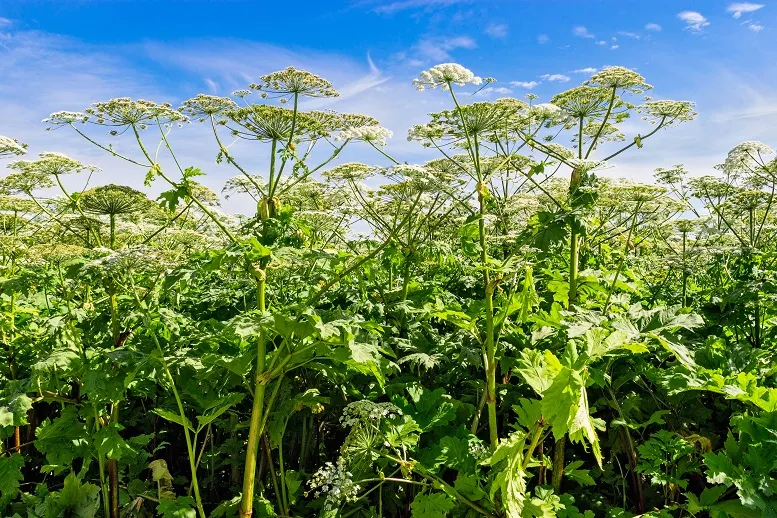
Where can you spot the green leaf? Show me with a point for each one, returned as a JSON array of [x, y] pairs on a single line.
[[218, 408], [565, 408], [469, 487], [110, 444], [173, 418], [510, 480], [63, 439], [14, 413], [538, 369], [10, 476], [78, 500], [433, 505], [180, 507]]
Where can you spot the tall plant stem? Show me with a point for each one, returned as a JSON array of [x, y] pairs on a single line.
[[558, 463], [101, 464], [489, 356], [255, 426], [113, 471], [189, 445]]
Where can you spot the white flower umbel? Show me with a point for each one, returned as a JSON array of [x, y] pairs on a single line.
[[52, 164], [585, 165], [365, 410], [66, 117], [373, 134], [9, 147], [746, 156], [335, 482], [444, 75]]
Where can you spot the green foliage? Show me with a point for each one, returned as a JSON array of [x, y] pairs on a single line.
[[485, 334]]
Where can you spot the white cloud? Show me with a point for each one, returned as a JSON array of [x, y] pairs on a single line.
[[755, 27], [601, 42], [694, 21], [633, 35], [653, 27], [491, 90], [561, 78], [740, 8], [497, 30], [404, 5], [582, 32], [614, 47], [438, 49], [587, 70], [525, 84], [542, 39], [5, 21]]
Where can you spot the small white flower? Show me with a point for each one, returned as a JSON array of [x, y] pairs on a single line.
[[373, 134]]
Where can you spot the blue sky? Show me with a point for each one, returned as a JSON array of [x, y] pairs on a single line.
[[66, 54]]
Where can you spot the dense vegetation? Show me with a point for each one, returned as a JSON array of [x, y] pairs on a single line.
[[495, 332]]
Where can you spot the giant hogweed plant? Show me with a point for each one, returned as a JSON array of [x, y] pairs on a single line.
[[273, 343]]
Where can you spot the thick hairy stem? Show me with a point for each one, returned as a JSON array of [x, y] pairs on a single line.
[[558, 464], [113, 231], [255, 426], [489, 358], [113, 472], [101, 464], [574, 259]]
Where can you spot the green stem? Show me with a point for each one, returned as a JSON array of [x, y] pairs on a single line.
[[254, 430]]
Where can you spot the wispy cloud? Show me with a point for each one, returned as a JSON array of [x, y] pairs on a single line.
[[543, 39], [582, 32], [601, 42], [653, 27], [525, 84], [438, 49], [493, 90], [497, 30], [740, 8], [755, 27], [615, 47], [5, 21], [561, 78], [628, 34], [587, 70], [694, 21], [404, 5]]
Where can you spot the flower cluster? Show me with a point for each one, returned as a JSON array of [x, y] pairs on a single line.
[[266, 122], [9, 146], [53, 164], [56, 253], [372, 134], [66, 117], [25, 183], [444, 75], [746, 156], [546, 111], [365, 410], [334, 481], [203, 106], [131, 259], [619, 78], [140, 114], [349, 171], [585, 165], [113, 200], [293, 81], [670, 112]]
